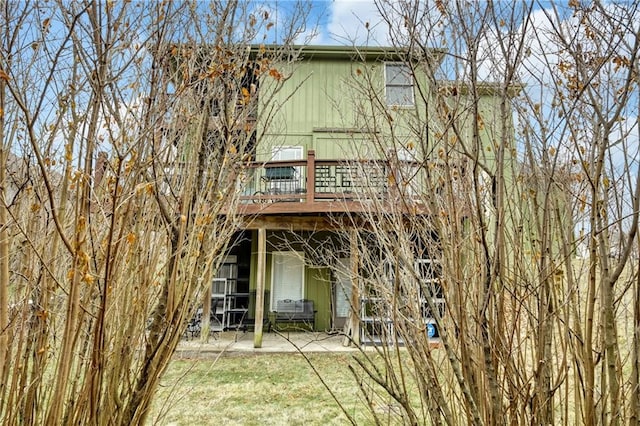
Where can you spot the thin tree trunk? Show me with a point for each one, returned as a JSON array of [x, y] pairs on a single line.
[[4, 254]]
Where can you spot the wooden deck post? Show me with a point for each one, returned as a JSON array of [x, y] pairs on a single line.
[[352, 327], [311, 176], [260, 278]]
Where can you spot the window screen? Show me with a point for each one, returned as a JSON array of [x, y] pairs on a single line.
[[398, 85]]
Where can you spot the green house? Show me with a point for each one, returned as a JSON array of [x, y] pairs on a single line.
[[324, 167]]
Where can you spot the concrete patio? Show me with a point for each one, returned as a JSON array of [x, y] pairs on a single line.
[[235, 343]]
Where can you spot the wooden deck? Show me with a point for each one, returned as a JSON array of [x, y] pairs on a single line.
[[314, 186]]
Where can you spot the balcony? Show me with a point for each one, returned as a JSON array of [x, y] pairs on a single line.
[[328, 186]]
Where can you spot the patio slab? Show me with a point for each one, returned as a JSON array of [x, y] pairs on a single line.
[[235, 343]]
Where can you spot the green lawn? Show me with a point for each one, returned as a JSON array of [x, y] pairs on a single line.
[[276, 389]]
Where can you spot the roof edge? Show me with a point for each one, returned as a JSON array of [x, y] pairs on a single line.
[[352, 53]]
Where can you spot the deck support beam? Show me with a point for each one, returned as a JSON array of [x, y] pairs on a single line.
[[260, 284], [352, 327]]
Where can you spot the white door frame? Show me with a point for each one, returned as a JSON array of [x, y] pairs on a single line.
[[299, 263]]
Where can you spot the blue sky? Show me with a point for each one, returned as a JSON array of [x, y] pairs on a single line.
[[338, 22], [344, 22]]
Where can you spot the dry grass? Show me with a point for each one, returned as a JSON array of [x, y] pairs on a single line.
[[271, 389]]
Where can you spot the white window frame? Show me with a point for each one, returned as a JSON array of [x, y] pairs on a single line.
[[411, 102], [287, 152], [344, 288], [274, 279]]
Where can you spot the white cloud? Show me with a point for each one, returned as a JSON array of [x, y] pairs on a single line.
[[354, 22], [540, 51]]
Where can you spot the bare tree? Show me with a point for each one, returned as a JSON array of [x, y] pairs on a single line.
[[521, 150], [127, 127]]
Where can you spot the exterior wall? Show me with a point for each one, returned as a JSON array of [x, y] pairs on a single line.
[[315, 96], [326, 101], [326, 107]]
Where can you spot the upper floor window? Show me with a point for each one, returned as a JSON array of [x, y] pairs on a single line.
[[398, 85]]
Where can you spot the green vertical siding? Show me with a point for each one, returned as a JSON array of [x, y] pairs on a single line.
[[323, 107], [318, 289], [316, 95]]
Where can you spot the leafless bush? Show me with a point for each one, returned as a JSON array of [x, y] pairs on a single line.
[[124, 130]]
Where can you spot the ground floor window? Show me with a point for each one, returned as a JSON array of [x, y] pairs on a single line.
[[287, 276]]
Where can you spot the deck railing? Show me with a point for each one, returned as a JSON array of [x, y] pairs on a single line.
[[313, 180], [314, 186]]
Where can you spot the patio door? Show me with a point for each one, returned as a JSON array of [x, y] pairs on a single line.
[[287, 276], [284, 153], [288, 182], [342, 292]]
